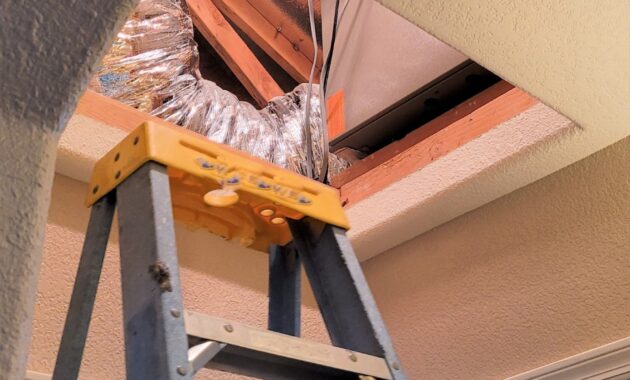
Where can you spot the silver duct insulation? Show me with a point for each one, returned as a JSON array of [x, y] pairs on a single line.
[[153, 66]]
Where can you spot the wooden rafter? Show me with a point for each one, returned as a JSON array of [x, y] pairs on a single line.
[[282, 40], [233, 50], [436, 139]]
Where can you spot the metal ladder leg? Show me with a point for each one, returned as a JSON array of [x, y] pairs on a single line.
[[284, 290], [344, 298], [84, 292], [155, 339]]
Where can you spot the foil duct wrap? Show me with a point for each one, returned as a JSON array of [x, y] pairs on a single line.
[[153, 66], [154, 47]]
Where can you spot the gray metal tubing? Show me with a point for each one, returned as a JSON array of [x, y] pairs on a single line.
[[284, 290], [342, 293], [84, 292], [155, 339]]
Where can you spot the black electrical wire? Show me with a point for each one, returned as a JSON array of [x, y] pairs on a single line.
[[309, 93], [332, 46], [323, 177]]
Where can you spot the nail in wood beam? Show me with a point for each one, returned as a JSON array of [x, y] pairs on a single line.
[[289, 28]]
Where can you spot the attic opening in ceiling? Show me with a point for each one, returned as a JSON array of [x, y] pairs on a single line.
[[389, 85]]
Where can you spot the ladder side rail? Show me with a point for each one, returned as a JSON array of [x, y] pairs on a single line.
[[68, 362], [284, 290], [155, 339], [342, 293]]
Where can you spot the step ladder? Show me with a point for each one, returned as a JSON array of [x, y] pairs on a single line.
[[159, 172]]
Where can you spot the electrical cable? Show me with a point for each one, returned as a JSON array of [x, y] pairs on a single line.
[[333, 38], [309, 93], [323, 173], [323, 177]]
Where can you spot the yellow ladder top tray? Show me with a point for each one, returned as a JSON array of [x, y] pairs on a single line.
[[217, 188]]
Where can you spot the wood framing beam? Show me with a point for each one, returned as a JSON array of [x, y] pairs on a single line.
[[432, 141], [233, 50], [112, 112], [380, 156], [387, 166], [275, 38]]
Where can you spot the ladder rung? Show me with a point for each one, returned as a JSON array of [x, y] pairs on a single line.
[[256, 352]]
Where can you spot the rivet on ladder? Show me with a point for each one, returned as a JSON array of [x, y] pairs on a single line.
[[278, 220], [266, 212], [182, 370], [353, 357], [228, 328], [175, 313]]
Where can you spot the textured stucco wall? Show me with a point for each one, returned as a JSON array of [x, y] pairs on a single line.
[[572, 55], [533, 277], [511, 155], [47, 51], [217, 278]]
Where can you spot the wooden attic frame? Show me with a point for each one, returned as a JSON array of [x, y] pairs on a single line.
[[437, 138], [234, 52], [268, 26], [278, 35], [433, 140]]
